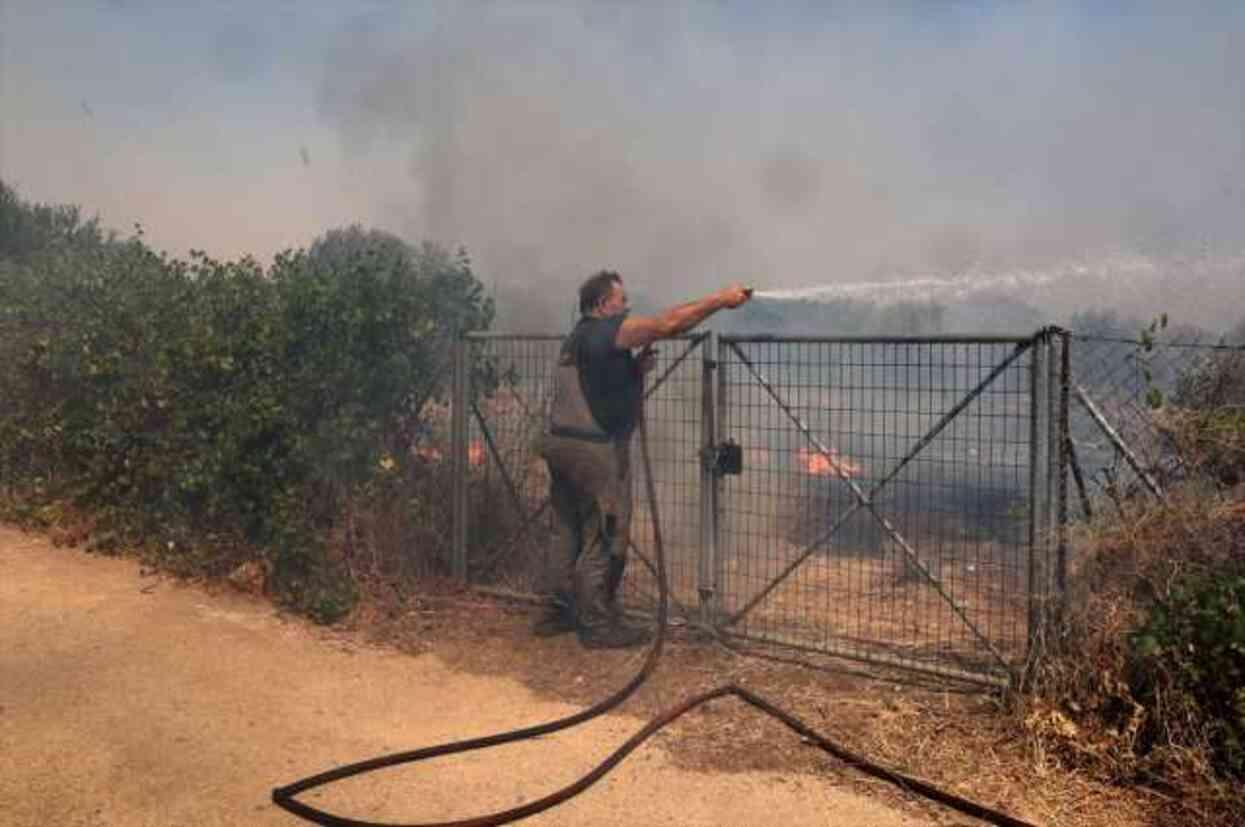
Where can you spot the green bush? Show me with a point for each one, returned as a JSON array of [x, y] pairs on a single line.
[[1192, 647], [214, 412], [1143, 675]]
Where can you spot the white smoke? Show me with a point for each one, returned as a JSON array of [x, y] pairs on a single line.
[[886, 151], [686, 145]]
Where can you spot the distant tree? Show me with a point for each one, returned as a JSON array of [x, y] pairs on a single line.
[[442, 281], [28, 230]]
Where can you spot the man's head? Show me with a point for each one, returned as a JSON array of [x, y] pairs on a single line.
[[603, 295]]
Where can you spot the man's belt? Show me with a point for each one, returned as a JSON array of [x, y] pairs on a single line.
[[580, 433]]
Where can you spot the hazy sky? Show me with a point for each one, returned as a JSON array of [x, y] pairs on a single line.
[[784, 144]]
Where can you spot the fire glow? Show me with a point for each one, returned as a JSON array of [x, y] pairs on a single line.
[[475, 453], [828, 464]]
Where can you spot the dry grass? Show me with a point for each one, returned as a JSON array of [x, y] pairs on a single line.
[[1211, 440], [868, 605], [1082, 711]]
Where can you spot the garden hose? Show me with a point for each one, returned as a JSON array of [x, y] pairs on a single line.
[[285, 797]]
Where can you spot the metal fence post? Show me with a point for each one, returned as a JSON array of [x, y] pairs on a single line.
[[1061, 492], [716, 483], [707, 585], [1051, 486], [458, 448], [1054, 456], [1037, 509]]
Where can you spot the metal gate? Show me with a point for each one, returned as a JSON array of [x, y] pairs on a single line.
[[891, 504], [895, 500]]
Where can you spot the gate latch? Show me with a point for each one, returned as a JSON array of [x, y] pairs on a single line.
[[724, 458]]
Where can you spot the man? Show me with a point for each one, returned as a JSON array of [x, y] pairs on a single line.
[[598, 394]]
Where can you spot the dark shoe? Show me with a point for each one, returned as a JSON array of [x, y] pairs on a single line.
[[614, 636], [555, 621]]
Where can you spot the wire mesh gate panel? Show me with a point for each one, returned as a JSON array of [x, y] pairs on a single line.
[[674, 417], [505, 491], [884, 508], [891, 500], [503, 509]]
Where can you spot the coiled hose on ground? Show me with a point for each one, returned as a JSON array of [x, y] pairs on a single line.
[[285, 797]]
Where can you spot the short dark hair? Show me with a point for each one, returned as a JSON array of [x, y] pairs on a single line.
[[596, 289]]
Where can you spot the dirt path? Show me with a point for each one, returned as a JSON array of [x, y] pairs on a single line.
[[127, 700]]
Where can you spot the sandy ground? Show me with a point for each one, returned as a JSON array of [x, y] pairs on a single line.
[[132, 700]]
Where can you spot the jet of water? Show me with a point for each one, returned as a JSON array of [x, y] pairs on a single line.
[[934, 287]]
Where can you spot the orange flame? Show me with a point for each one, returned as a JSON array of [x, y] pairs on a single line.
[[428, 453], [823, 465], [475, 453]]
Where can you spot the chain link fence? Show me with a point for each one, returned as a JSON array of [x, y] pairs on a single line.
[[1126, 393]]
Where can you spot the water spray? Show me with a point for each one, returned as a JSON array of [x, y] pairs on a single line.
[[942, 287]]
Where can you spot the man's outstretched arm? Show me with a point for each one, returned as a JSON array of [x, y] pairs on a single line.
[[639, 331]]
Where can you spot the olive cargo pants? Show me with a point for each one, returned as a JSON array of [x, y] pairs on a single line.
[[591, 497]]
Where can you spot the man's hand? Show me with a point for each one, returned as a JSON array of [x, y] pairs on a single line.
[[735, 295]]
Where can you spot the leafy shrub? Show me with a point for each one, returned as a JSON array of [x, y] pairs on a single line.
[[1143, 679], [1192, 645], [215, 412]]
